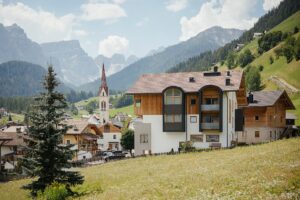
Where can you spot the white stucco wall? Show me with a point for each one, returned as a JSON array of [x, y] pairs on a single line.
[[103, 144], [104, 114], [6, 150], [248, 136]]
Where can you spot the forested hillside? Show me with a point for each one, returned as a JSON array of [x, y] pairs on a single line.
[[265, 23], [18, 78]]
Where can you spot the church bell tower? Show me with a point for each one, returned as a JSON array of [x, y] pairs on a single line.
[[103, 98]]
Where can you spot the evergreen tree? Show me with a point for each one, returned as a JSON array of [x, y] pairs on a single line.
[[46, 158], [253, 79], [127, 140], [246, 58]]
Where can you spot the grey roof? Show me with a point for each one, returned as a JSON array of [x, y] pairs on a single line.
[[156, 83], [269, 98]]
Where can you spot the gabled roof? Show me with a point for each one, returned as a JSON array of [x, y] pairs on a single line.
[[78, 127], [269, 98], [156, 83], [16, 139]]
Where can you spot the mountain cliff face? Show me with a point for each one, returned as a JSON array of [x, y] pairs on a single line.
[[116, 63], [161, 61], [15, 45], [71, 62]]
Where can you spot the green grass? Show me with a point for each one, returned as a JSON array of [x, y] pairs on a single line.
[[289, 24], [296, 100], [15, 118], [127, 109], [268, 171]]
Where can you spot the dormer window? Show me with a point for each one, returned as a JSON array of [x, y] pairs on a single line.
[[173, 96]]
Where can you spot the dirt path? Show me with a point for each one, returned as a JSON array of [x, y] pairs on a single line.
[[283, 84]]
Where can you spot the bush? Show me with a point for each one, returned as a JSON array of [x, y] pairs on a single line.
[[288, 53], [296, 29], [246, 58], [55, 191], [253, 79], [261, 68], [186, 146], [271, 59]]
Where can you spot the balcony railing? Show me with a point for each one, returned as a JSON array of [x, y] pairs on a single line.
[[210, 126], [210, 107]]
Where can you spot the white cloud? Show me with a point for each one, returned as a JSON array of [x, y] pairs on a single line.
[[113, 44], [176, 5], [142, 22], [225, 13], [102, 11], [80, 33], [269, 4], [40, 25]]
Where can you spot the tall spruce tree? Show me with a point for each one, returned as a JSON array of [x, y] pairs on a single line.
[[46, 158]]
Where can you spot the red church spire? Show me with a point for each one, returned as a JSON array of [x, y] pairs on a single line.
[[103, 81]]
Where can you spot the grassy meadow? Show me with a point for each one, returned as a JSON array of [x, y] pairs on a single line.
[[267, 171]]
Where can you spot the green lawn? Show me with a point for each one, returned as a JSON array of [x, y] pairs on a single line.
[[15, 118], [268, 171], [289, 24], [127, 109]]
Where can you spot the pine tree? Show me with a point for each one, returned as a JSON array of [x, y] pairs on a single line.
[[46, 158]]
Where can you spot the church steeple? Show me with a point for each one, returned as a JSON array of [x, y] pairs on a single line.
[[103, 99], [103, 81]]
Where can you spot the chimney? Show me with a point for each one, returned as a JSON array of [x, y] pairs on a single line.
[[250, 97], [215, 68], [191, 79], [227, 81]]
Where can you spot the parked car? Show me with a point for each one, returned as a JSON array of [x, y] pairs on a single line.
[[112, 155]]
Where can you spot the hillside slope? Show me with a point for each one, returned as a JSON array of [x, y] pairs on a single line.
[[266, 22], [268, 171], [19, 78], [280, 71]]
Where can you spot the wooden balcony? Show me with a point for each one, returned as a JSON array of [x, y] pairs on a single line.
[[210, 107], [210, 126]]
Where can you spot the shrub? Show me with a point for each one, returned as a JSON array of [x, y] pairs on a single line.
[[296, 29], [55, 191], [288, 53], [271, 59], [186, 146], [261, 68], [246, 58]]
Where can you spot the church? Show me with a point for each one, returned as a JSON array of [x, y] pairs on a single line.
[[111, 134]]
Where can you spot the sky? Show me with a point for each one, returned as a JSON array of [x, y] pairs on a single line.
[[128, 26]]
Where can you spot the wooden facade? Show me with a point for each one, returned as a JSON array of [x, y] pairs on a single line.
[[272, 116], [109, 128], [241, 95]]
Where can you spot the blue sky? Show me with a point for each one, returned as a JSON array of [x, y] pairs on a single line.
[[128, 26]]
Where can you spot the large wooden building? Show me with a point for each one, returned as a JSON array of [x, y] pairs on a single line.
[[207, 108], [265, 116], [190, 106]]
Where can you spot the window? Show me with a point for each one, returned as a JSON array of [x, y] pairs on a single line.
[[211, 101], [143, 138], [173, 96], [257, 134], [197, 138], [173, 118], [114, 137], [212, 138], [210, 119], [137, 103], [103, 105], [68, 142], [193, 119], [256, 118], [193, 101], [106, 129]]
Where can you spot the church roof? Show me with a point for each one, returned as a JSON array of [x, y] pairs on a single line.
[[103, 81]]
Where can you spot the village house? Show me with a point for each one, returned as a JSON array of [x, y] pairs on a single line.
[[111, 137], [265, 116], [15, 147], [84, 137], [210, 109], [190, 106]]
